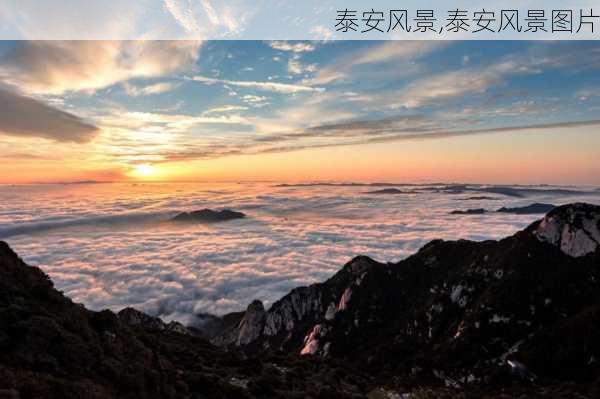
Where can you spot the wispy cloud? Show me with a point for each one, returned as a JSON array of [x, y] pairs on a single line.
[[398, 51], [183, 14], [255, 101], [285, 88], [296, 67], [201, 18], [404, 128], [295, 47], [225, 108], [148, 90], [171, 122]]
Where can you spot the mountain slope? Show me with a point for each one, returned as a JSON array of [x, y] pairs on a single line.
[[51, 347], [458, 311]]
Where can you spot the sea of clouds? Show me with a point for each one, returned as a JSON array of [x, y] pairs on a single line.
[[111, 245]]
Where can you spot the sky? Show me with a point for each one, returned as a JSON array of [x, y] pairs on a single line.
[[462, 111]]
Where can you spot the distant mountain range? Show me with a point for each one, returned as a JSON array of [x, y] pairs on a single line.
[[519, 317]]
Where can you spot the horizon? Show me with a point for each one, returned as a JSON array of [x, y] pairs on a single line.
[[303, 182]]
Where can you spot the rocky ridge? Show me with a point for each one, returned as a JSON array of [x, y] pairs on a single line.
[[460, 312]]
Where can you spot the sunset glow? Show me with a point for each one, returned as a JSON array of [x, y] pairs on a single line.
[[279, 111], [144, 170]]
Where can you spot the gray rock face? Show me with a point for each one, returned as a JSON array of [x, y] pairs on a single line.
[[575, 229], [288, 323], [252, 323], [135, 318]]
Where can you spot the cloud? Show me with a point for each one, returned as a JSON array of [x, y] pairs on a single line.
[[435, 89], [25, 116], [255, 101], [396, 51], [56, 67], [295, 67], [284, 88], [295, 47], [442, 87], [166, 122], [321, 32], [403, 51], [293, 236], [402, 128], [225, 108], [156, 88], [439, 88], [183, 14], [201, 18], [112, 220]]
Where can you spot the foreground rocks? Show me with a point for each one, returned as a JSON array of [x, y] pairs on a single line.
[[574, 229], [53, 348]]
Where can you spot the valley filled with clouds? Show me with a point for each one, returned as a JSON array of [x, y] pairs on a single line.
[[111, 245]]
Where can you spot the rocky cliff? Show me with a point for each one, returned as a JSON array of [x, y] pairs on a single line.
[[461, 312], [53, 348]]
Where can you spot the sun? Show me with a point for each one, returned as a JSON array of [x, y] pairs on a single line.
[[144, 170]]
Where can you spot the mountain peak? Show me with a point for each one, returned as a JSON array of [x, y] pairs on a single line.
[[359, 264], [574, 228]]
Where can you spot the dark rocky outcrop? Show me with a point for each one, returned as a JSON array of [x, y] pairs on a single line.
[[477, 211], [208, 216], [528, 209], [520, 210], [479, 198], [135, 318], [391, 191], [53, 348]]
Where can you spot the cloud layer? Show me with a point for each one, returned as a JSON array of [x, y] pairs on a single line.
[[114, 252]]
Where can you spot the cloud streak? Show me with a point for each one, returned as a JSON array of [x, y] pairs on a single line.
[[27, 117], [295, 47], [202, 18], [284, 88], [400, 52], [156, 88], [406, 128]]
